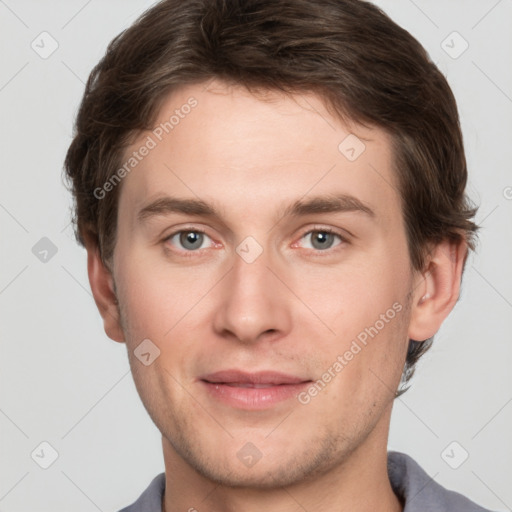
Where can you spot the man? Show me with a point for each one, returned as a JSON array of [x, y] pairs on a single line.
[[271, 195]]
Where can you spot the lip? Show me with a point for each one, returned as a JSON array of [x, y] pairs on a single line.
[[252, 391]]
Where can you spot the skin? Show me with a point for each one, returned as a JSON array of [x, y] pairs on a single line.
[[294, 309]]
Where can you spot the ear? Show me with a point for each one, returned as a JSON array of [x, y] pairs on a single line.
[[102, 286], [437, 289]]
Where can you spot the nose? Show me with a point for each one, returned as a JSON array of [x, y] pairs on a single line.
[[254, 304]]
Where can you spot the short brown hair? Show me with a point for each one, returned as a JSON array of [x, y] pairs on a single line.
[[363, 65]]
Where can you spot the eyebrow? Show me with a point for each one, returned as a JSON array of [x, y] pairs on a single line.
[[320, 204]]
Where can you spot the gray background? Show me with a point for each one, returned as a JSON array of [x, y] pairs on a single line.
[[63, 382]]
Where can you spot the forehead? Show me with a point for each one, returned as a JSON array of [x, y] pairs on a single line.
[[226, 145]]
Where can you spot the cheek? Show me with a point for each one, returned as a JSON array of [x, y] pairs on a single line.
[[364, 304], [367, 368], [148, 287], [149, 304], [352, 297]]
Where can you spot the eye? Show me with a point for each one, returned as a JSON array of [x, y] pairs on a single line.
[[322, 239], [190, 240]]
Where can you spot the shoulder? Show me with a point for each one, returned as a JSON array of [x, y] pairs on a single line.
[[151, 499], [420, 492]]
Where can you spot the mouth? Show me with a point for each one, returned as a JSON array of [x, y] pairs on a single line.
[[261, 378], [252, 391]]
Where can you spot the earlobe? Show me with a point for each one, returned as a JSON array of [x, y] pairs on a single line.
[[437, 289], [102, 286]]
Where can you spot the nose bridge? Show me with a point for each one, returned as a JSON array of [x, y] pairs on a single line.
[[251, 275], [252, 301]]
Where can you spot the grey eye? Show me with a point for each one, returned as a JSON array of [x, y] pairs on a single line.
[[322, 240], [189, 240]]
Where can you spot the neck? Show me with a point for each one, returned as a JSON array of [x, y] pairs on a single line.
[[358, 483]]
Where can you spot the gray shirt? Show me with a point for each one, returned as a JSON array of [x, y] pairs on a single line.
[[418, 491]]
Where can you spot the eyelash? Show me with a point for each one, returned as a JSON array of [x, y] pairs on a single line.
[[316, 229]]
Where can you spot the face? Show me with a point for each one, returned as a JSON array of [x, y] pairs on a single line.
[[268, 266]]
